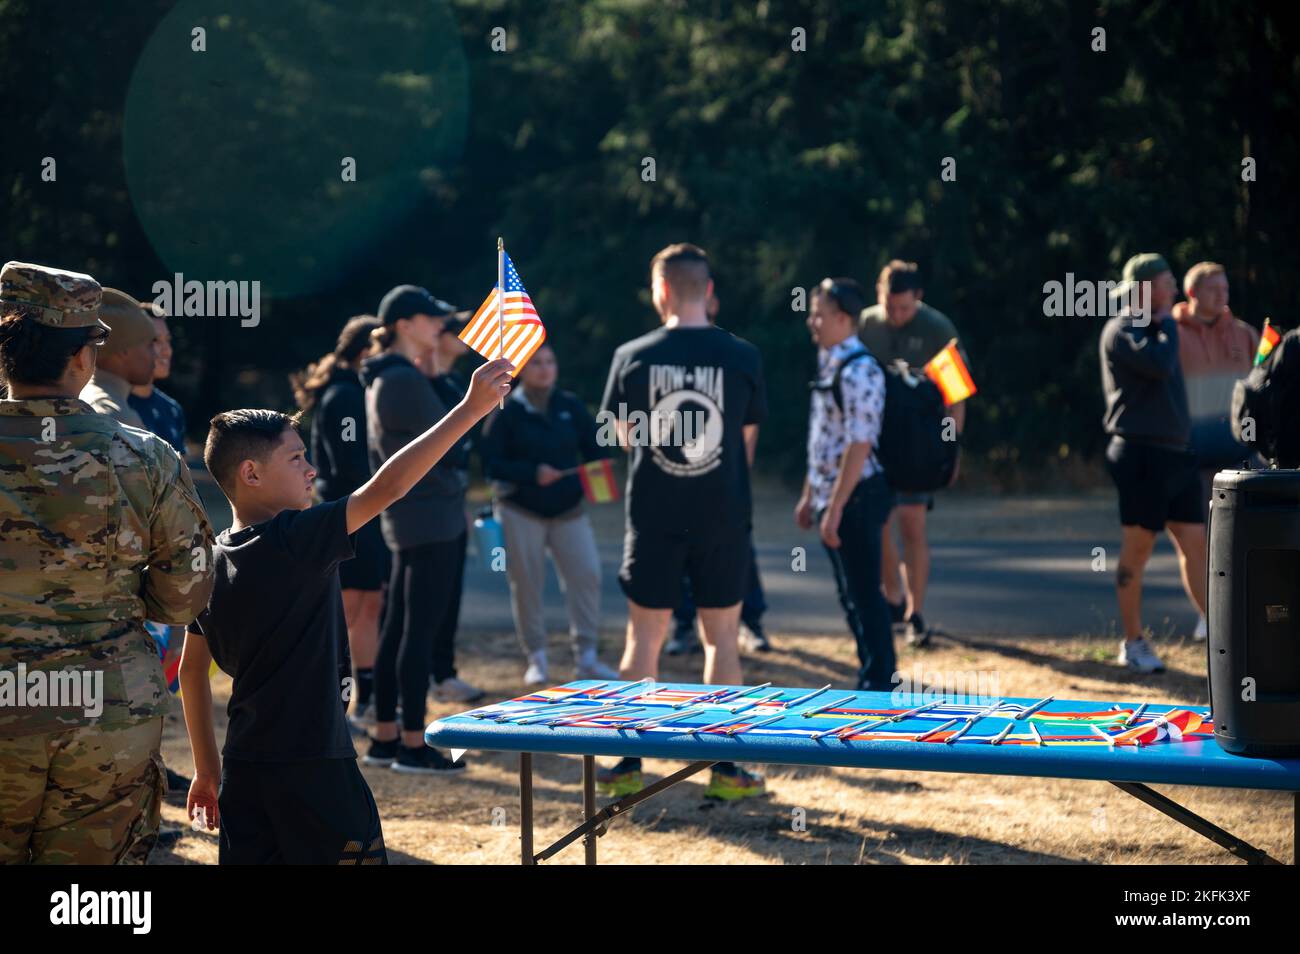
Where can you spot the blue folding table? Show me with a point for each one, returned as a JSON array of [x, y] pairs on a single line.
[[1128, 744]]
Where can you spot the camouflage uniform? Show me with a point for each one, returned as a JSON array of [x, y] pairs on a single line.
[[100, 528]]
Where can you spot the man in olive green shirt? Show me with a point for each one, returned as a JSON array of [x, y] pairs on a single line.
[[902, 326]]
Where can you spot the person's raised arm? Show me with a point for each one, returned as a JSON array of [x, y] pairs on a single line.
[[403, 470]]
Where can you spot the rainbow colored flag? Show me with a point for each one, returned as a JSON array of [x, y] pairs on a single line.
[[948, 371], [1268, 340], [598, 483]]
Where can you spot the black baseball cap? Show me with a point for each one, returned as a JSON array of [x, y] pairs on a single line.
[[456, 323], [406, 301]]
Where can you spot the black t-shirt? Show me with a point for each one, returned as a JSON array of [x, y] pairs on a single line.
[[274, 623], [691, 391]]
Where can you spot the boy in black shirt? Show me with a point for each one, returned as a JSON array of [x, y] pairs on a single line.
[[290, 789], [686, 401]]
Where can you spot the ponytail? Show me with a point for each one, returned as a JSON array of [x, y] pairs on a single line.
[[353, 341]]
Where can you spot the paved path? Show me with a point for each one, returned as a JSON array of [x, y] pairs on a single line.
[[1001, 565]]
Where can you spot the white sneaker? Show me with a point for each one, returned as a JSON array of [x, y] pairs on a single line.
[[536, 674], [1202, 632], [589, 667], [456, 690], [1138, 655]]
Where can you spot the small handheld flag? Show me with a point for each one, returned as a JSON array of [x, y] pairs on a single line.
[[506, 325], [1268, 340], [948, 371], [598, 484]]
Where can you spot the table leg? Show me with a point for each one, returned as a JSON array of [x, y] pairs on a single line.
[[589, 805], [525, 808]]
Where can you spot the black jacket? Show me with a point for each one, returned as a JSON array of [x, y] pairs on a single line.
[[338, 436], [519, 438], [401, 404], [1146, 400]]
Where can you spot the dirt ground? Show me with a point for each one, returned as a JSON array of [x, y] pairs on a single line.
[[852, 816]]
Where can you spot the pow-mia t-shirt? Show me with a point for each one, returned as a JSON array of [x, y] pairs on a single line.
[[686, 395], [275, 624]]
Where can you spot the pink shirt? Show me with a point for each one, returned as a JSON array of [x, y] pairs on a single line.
[[1213, 358]]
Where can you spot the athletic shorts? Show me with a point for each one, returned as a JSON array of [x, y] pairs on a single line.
[[314, 812], [370, 568], [716, 564], [1156, 484]]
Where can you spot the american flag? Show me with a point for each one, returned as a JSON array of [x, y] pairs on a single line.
[[524, 333]]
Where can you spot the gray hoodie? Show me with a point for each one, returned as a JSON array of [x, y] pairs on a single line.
[[401, 404]]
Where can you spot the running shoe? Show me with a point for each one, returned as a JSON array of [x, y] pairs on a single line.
[[425, 761], [621, 779], [381, 753], [1138, 655], [916, 633], [589, 667], [753, 639], [537, 673], [684, 642], [730, 783], [456, 690]]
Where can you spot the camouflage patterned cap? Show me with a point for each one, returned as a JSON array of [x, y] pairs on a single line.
[[129, 321], [50, 296]]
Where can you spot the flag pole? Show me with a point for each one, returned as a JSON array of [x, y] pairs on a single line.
[[501, 303]]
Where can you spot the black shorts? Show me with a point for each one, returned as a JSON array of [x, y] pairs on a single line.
[[316, 812], [369, 569], [716, 563], [1156, 484]]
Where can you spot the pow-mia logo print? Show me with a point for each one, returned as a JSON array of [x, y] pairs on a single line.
[[686, 405]]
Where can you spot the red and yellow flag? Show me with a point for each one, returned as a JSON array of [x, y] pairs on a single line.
[[1268, 340], [598, 484], [948, 371]]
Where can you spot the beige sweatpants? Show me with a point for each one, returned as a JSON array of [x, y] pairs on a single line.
[[573, 548]]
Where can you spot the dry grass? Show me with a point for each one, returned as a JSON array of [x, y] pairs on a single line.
[[853, 816]]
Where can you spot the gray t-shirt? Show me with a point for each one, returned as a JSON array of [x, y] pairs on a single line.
[[916, 342]]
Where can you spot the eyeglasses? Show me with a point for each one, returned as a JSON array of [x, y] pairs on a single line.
[[97, 337]]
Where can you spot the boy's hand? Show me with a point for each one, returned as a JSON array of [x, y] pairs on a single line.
[[803, 515], [490, 383], [203, 796]]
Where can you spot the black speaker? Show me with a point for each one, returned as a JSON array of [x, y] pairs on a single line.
[[1254, 611]]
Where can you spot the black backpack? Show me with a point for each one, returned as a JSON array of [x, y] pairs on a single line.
[[911, 448]]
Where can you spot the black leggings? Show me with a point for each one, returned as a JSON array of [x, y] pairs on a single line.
[[423, 591]]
